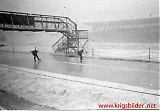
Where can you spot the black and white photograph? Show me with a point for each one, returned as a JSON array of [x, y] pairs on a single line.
[[79, 55]]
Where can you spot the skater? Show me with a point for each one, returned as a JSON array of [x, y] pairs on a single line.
[[34, 53], [80, 54]]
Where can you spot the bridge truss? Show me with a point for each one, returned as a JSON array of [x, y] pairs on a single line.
[[69, 42]]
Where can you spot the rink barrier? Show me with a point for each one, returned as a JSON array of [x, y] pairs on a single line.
[[143, 56]]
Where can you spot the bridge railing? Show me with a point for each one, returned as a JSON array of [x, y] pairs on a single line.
[[58, 44], [35, 22]]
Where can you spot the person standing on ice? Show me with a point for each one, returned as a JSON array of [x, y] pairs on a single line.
[[80, 54], [35, 55]]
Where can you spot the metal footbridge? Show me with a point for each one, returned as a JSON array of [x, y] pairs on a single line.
[[71, 41]]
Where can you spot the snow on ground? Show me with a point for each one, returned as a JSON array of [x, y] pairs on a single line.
[[67, 92], [10, 101], [1, 108]]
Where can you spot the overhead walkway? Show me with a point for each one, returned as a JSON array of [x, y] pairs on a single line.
[[71, 41]]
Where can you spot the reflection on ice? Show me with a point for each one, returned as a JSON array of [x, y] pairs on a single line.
[[139, 74]]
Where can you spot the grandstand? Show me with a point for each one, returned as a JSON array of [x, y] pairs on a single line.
[[144, 30]]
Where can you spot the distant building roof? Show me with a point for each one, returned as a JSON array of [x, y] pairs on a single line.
[[129, 21]]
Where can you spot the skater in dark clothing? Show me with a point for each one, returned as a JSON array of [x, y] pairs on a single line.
[[80, 54], [34, 53]]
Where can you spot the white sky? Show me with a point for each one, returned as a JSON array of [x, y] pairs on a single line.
[[86, 10]]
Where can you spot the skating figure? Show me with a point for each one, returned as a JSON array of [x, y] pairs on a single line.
[[35, 55], [80, 54]]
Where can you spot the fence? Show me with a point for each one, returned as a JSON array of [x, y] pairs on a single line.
[[126, 52], [111, 52]]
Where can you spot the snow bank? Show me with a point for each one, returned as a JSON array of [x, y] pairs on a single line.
[[67, 92]]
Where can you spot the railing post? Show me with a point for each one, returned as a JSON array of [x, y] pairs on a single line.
[[13, 48], [149, 55], [77, 37], [92, 52], [67, 50]]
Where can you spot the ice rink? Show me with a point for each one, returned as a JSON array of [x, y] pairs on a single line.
[[140, 74]]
